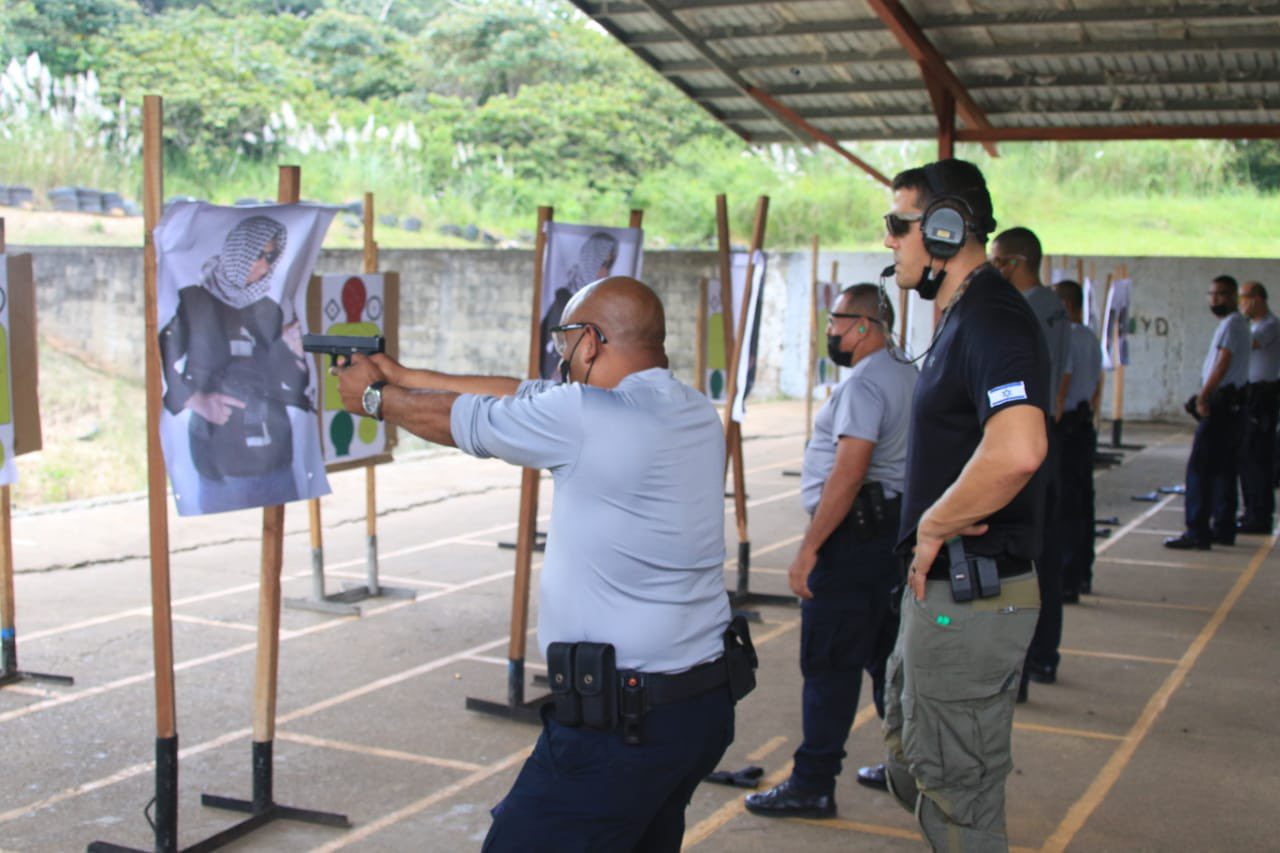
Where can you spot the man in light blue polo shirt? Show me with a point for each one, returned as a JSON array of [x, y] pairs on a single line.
[[635, 554], [1211, 467], [851, 486], [1079, 440], [1262, 400]]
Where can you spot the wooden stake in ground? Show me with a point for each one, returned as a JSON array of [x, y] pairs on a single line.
[[700, 339], [21, 345], [1117, 389]]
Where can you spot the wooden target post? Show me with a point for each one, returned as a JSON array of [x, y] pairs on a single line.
[[517, 707], [9, 671], [344, 603], [812, 372], [737, 345], [263, 808], [700, 338]]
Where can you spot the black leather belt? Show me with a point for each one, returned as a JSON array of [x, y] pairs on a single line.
[[665, 689], [1006, 566]]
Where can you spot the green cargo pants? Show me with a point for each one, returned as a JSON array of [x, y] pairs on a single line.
[[951, 684]]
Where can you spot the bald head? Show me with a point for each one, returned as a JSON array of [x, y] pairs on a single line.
[[626, 310]]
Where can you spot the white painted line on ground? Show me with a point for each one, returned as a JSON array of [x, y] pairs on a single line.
[[214, 623], [377, 752], [1132, 525], [1118, 656], [393, 579], [541, 667]]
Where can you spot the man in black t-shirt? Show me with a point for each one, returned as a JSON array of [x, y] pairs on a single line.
[[978, 439]]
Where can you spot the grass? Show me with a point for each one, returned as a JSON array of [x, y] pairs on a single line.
[[94, 429]]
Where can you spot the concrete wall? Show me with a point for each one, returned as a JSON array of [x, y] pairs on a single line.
[[468, 311]]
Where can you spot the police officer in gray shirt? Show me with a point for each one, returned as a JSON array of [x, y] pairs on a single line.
[[1075, 429], [851, 485], [1211, 468], [635, 554], [1017, 255], [1262, 400]]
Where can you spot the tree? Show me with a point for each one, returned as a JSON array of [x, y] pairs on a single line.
[[63, 32]]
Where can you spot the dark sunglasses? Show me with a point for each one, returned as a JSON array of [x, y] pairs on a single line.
[[898, 224], [558, 338], [833, 315]]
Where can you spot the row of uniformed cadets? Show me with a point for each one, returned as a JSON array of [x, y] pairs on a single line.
[[1236, 408], [926, 496]]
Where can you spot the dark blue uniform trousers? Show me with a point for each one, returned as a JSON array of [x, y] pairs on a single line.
[[1048, 635], [1211, 470], [1257, 453], [1079, 444], [587, 791], [847, 627]]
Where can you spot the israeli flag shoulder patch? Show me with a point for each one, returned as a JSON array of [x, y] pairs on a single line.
[[1002, 394]]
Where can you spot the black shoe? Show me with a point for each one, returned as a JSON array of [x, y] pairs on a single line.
[[1186, 542], [785, 801], [1224, 539], [1040, 673], [873, 777], [1253, 527]]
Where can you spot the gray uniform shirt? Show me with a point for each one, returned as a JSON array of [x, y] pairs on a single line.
[[635, 549], [1052, 315], [1084, 363], [872, 403], [1264, 360], [1232, 334]]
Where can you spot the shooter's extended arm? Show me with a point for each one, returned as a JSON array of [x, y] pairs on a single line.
[[345, 345]]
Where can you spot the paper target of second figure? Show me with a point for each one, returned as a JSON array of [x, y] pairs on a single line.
[[356, 305], [8, 470], [717, 379]]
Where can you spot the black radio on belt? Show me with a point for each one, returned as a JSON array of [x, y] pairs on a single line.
[[972, 576]]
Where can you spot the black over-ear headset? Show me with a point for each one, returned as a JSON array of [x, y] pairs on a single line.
[[948, 220]]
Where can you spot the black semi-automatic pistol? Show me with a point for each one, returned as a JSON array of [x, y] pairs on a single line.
[[343, 345]]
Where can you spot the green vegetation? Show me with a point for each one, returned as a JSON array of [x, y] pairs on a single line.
[[476, 111]]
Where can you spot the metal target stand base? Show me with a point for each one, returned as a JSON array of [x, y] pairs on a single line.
[[343, 603], [539, 543], [516, 708], [741, 598], [11, 674]]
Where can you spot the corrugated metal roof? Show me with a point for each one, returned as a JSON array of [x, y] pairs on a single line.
[[1029, 68]]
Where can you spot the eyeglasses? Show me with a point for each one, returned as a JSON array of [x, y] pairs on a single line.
[[558, 338], [832, 316], [898, 224]]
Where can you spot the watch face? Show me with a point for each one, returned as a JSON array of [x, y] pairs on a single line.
[[372, 401]]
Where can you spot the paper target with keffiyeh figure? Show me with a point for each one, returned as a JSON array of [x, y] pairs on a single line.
[[8, 470], [717, 378], [240, 396], [576, 256]]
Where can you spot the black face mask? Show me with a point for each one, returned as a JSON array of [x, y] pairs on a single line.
[[841, 359], [1220, 310], [930, 284]]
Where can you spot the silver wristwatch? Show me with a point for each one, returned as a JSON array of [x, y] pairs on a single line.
[[372, 400]]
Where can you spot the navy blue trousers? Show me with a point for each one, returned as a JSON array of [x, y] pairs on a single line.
[[586, 791], [1079, 443], [847, 627], [1048, 635], [1257, 454], [1211, 474]]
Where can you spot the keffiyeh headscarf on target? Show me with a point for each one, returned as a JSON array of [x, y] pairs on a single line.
[[595, 261], [226, 275]]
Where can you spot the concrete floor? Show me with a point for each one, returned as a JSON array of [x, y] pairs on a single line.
[[1159, 735]]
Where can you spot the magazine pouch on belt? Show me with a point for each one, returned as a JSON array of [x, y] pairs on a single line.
[[595, 676], [560, 675]]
